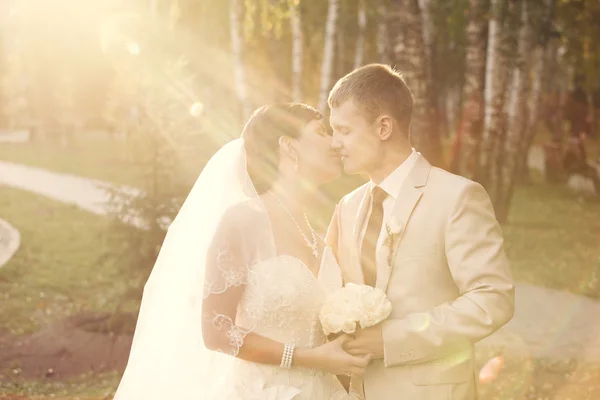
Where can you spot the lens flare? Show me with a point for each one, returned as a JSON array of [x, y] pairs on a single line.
[[491, 370], [196, 109], [133, 48]]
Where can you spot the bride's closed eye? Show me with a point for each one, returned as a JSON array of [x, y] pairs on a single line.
[[323, 131]]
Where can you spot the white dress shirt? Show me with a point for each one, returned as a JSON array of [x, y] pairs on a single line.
[[392, 185]]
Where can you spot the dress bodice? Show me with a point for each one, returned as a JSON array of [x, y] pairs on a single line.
[[283, 298]]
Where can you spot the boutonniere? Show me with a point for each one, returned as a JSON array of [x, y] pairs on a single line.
[[393, 229]]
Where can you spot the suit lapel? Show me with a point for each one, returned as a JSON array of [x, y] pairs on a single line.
[[406, 201]]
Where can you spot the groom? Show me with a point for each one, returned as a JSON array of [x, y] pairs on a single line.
[[427, 238]]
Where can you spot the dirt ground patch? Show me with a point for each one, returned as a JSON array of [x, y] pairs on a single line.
[[84, 343]]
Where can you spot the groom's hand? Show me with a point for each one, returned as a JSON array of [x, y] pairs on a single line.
[[366, 341]]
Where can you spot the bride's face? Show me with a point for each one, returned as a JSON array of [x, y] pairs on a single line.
[[316, 160]]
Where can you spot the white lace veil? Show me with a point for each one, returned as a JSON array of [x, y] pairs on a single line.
[[203, 264]]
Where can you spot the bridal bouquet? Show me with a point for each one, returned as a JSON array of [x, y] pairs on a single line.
[[353, 304]]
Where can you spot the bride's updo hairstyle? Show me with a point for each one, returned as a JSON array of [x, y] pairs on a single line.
[[261, 138]]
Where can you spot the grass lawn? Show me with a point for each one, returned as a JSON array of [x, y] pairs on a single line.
[[552, 239], [57, 271], [98, 156]]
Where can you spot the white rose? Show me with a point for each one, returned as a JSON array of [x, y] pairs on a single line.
[[348, 301], [373, 317], [349, 326], [376, 308], [351, 291], [352, 309], [373, 298], [332, 323], [338, 313], [351, 304]]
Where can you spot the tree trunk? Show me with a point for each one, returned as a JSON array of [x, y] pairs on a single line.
[[328, 54], [472, 110], [297, 56], [496, 78], [533, 105], [174, 14], [452, 107], [428, 35], [340, 53], [413, 65], [153, 6], [359, 55], [237, 46], [551, 110], [440, 124], [383, 34], [517, 112], [565, 88], [397, 30], [539, 80], [592, 113]]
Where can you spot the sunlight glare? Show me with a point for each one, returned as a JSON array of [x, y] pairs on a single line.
[[491, 370], [196, 109], [133, 48]]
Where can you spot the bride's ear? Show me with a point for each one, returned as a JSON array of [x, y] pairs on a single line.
[[286, 145]]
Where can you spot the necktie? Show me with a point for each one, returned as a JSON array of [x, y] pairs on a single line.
[[369, 244]]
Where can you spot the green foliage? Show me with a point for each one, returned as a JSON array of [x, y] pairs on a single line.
[[450, 21], [579, 24], [156, 108]]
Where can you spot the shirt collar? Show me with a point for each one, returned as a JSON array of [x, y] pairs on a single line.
[[394, 181]]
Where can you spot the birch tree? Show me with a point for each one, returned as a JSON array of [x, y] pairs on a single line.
[[539, 71], [297, 50], [237, 46], [383, 34], [362, 29], [496, 78], [517, 116], [410, 55], [328, 54], [472, 110], [153, 6]]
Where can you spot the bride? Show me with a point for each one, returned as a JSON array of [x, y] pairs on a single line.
[[230, 310]]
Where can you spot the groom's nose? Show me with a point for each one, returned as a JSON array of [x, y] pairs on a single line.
[[336, 143]]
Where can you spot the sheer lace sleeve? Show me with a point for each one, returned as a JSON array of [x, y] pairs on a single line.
[[227, 274]]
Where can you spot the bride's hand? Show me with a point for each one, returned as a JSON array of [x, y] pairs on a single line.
[[331, 357]]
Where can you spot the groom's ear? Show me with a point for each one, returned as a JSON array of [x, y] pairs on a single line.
[[385, 127]]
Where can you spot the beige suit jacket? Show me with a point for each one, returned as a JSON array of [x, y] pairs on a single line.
[[448, 281]]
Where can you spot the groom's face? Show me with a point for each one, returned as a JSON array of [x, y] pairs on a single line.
[[356, 138]]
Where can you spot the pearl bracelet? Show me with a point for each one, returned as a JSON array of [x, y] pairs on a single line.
[[288, 356]]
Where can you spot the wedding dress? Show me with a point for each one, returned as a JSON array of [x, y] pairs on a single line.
[[283, 304], [217, 278]]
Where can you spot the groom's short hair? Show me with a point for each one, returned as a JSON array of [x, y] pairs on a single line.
[[375, 89]]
